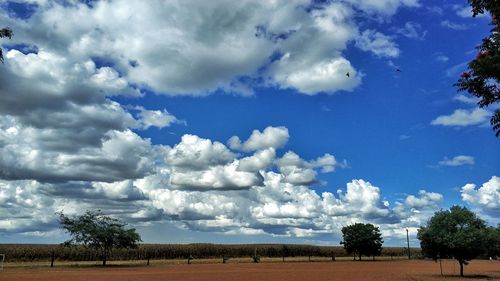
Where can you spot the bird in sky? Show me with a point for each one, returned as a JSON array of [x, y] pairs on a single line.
[[398, 70], [347, 74]]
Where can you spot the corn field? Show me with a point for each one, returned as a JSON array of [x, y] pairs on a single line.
[[27, 252]]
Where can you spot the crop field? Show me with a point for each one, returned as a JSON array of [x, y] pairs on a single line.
[[43, 253], [387, 270]]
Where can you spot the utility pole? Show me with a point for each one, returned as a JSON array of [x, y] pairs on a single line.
[[408, 242]]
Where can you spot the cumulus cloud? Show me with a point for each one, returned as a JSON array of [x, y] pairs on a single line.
[[155, 118], [67, 143], [206, 54], [274, 137], [463, 117], [377, 43], [205, 186], [486, 197], [195, 153], [29, 153], [459, 160], [424, 199]]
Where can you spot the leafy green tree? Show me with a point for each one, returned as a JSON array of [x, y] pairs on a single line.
[[456, 233], [493, 249], [362, 239], [482, 78], [95, 230], [5, 32]]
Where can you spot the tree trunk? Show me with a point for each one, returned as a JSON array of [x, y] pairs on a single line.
[[461, 268], [104, 257], [52, 258]]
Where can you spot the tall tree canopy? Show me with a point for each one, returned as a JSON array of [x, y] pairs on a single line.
[[95, 230], [456, 233], [5, 32], [483, 77], [362, 239]]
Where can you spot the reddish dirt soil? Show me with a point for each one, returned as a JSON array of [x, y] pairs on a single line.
[[313, 271]]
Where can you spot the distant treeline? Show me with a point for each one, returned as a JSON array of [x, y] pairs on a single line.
[[37, 252]]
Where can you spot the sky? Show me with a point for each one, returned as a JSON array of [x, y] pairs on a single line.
[[241, 121]]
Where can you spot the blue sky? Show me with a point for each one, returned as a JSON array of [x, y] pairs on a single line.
[[236, 122]]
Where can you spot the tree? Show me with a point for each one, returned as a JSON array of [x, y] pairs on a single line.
[[483, 77], [95, 230], [493, 249], [4, 32], [456, 233], [362, 239]]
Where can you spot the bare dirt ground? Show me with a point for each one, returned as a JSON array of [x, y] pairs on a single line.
[[414, 270]]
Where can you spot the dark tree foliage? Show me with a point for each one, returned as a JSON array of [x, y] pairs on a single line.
[[456, 233], [493, 249], [95, 230], [5, 32], [483, 77], [362, 239]]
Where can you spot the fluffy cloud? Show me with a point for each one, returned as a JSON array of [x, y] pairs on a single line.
[[154, 118], [459, 160], [377, 43], [274, 137], [206, 54], [463, 117], [204, 186], [195, 153], [486, 197], [60, 124], [68, 144], [29, 153], [425, 199]]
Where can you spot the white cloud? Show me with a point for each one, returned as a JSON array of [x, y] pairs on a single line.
[[155, 118], [412, 30], [425, 199], [66, 145], [327, 76], [379, 44], [465, 11], [466, 99], [327, 163], [454, 25], [459, 160], [387, 7], [274, 137], [442, 58], [195, 153], [228, 40], [486, 197], [261, 160], [463, 117]]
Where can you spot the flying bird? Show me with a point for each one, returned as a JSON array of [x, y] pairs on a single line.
[[398, 70], [347, 74]]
